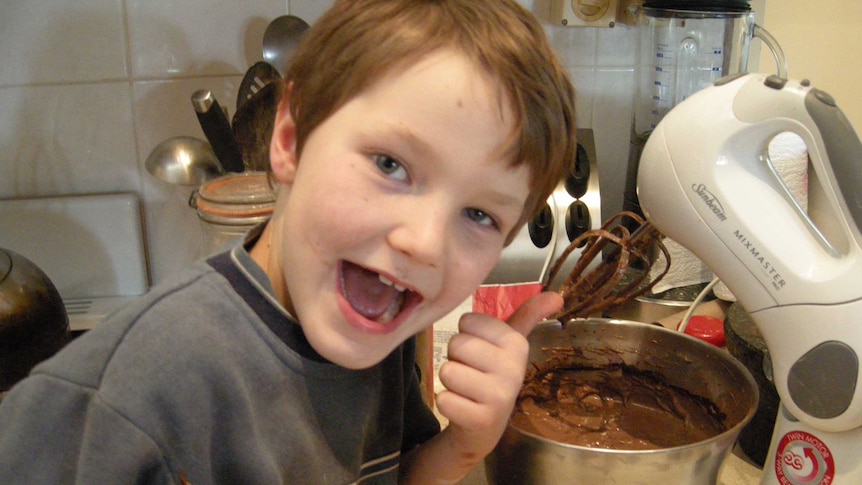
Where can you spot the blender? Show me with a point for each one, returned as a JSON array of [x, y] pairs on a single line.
[[684, 46]]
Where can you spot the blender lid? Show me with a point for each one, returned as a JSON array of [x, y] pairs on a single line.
[[700, 5]]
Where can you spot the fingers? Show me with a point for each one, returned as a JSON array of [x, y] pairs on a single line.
[[482, 382], [486, 365], [486, 344], [534, 310], [481, 338], [468, 413]]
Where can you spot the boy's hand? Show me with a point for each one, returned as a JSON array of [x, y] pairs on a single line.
[[484, 374]]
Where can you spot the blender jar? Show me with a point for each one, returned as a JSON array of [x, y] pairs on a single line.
[[685, 46]]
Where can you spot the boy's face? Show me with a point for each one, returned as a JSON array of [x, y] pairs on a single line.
[[398, 209]]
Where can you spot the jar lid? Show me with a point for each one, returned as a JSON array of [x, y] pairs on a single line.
[[700, 5], [239, 188], [236, 196]]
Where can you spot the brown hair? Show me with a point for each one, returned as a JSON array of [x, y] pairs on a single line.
[[357, 42]]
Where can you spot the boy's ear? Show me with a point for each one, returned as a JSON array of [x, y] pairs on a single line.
[[282, 148]]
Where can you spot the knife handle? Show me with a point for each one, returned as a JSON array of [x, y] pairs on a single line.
[[217, 129]]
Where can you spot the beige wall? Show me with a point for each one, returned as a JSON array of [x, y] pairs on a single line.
[[822, 42]]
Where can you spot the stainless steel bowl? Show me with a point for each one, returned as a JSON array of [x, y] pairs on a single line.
[[684, 362]]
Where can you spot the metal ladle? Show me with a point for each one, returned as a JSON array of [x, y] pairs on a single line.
[[184, 160], [281, 39]]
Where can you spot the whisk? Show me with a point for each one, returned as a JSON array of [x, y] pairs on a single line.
[[602, 288]]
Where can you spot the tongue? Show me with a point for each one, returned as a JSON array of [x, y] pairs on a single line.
[[366, 293]]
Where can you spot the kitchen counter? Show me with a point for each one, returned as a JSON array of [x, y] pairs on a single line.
[[737, 470]]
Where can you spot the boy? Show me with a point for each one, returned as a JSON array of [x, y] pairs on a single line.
[[413, 140]]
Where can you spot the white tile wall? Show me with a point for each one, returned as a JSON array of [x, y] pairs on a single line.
[[88, 88], [196, 37], [52, 41]]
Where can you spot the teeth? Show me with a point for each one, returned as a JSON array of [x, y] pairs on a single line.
[[392, 311], [386, 281]]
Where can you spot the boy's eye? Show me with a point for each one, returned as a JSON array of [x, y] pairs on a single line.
[[391, 167], [481, 217]]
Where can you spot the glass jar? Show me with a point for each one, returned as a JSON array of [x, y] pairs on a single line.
[[231, 205]]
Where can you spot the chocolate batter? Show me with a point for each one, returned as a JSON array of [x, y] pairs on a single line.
[[613, 407]]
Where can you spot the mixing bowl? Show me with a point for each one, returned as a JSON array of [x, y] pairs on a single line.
[[684, 362]]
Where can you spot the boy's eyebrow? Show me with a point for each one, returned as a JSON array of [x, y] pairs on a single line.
[[406, 134], [507, 199]]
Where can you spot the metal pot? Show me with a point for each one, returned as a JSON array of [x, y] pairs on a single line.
[[33, 320], [683, 361]]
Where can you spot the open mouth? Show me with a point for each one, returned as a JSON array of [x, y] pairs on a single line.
[[374, 296]]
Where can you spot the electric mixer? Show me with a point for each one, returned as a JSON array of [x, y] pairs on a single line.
[[706, 182]]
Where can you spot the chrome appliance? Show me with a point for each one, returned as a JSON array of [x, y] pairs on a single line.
[[572, 209]]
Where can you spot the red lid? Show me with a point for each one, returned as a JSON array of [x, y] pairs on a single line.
[[708, 329]]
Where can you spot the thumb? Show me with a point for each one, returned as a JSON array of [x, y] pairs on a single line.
[[534, 310]]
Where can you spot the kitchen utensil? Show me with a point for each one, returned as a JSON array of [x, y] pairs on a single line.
[[588, 291], [253, 124], [708, 183], [681, 360], [217, 129], [33, 320], [183, 160], [684, 47], [256, 78], [280, 40]]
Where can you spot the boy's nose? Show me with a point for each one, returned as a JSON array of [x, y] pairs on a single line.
[[422, 233]]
